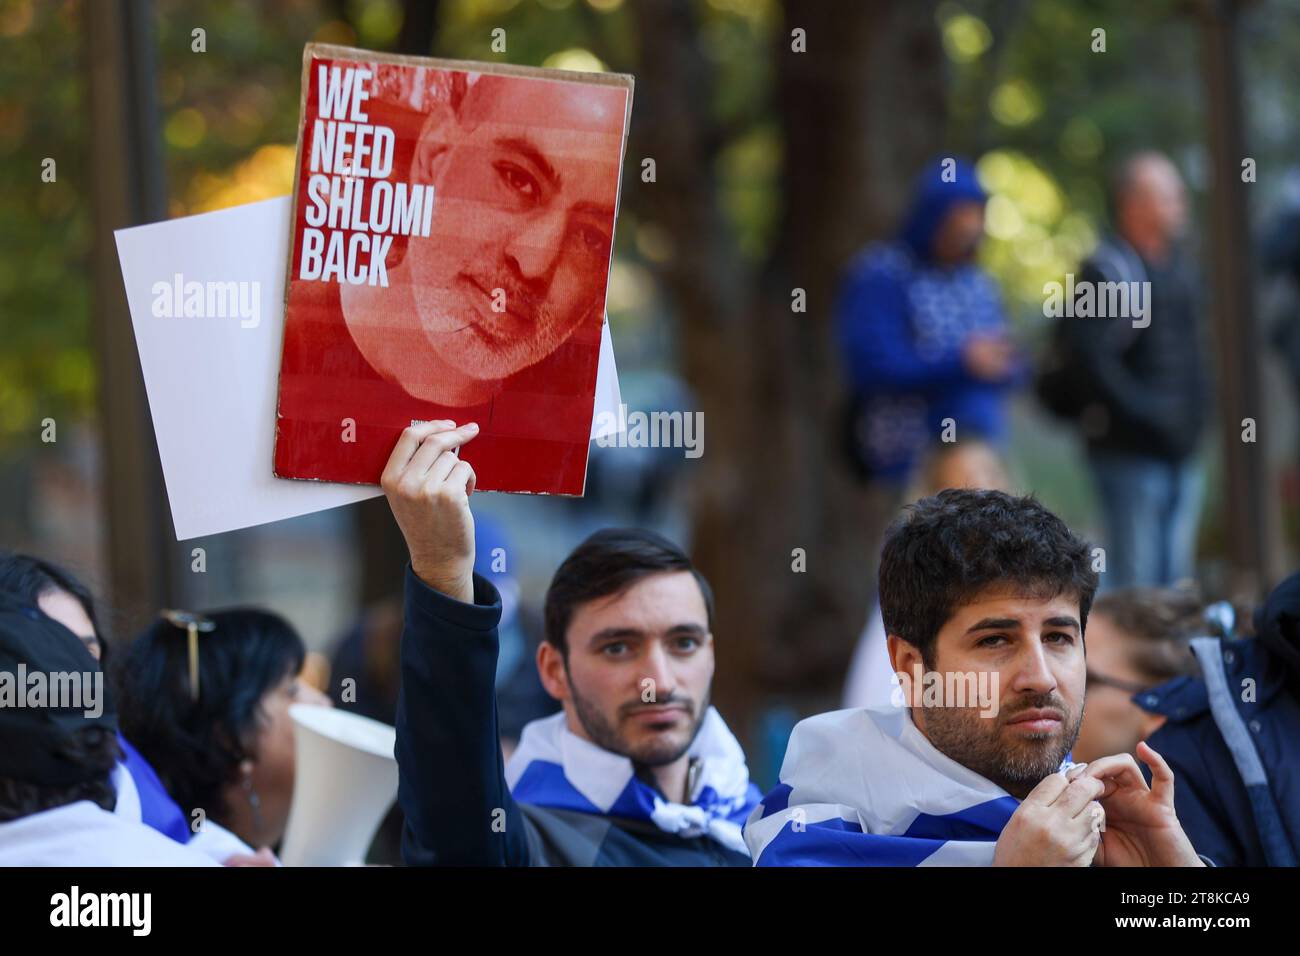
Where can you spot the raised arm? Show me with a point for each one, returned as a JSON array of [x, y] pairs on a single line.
[[452, 785]]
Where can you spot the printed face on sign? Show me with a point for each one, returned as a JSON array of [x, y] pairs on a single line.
[[453, 226], [525, 183]]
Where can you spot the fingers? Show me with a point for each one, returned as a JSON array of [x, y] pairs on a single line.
[[1096, 815], [461, 477], [1081, 834], [442, 467], [263, 857], [432, 445], [448, 459], [1093, 816], [1056, 824], [407, 444], [1048, 789], [1082, 791], [1120, 770], [1087, 850], [1162, 777], [419, 450]]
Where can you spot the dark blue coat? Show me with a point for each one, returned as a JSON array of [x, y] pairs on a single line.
[[1237, 771]]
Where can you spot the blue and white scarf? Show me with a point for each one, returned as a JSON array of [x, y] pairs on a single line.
[[866, 788], [553, 767]]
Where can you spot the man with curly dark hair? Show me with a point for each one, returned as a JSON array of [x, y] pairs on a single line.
[[984, 597]]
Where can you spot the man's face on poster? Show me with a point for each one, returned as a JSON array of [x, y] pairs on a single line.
[[525, 178]]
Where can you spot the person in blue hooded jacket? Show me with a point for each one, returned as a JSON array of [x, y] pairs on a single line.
[[923, 332]]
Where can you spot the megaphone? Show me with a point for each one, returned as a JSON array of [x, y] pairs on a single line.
[[344, 783]]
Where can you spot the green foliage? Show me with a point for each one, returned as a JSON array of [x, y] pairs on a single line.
[[44, 289], [1027, 93]]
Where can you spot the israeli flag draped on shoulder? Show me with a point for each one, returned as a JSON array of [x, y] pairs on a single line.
[[553, 767], [865, 787]]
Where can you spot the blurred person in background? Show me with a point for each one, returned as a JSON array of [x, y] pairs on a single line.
[[965, 464], [923, 333], [365, 680], [925, 346], [57, 761], [1137, 640], [1136, 382], [1232, 734], [369, 652], [224, 749], [56, 591]]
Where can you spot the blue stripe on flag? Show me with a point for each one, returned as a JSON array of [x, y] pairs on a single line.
[[841, 843], [777, 800], [983, 821], [543, 783], [636, 801]]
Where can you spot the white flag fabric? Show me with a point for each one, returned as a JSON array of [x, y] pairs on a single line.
[[553, 767], [866, 788]]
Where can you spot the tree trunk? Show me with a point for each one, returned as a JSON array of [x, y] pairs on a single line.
[[860, 111]]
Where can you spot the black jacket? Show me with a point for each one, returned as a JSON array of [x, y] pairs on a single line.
[[1147, 387], [452, 784]]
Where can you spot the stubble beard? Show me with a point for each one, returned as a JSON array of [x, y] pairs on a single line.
[[659, 751], [976, 743]]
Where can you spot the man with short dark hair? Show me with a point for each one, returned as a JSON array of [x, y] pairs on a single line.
[[984, 598], [637, 770]]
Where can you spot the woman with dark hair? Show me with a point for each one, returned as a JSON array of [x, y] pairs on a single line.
[[58, 593], [65, 599], [206, 699], [60, 753]]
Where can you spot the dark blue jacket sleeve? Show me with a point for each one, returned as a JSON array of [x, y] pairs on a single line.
[[451, 783], [876, 337]]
